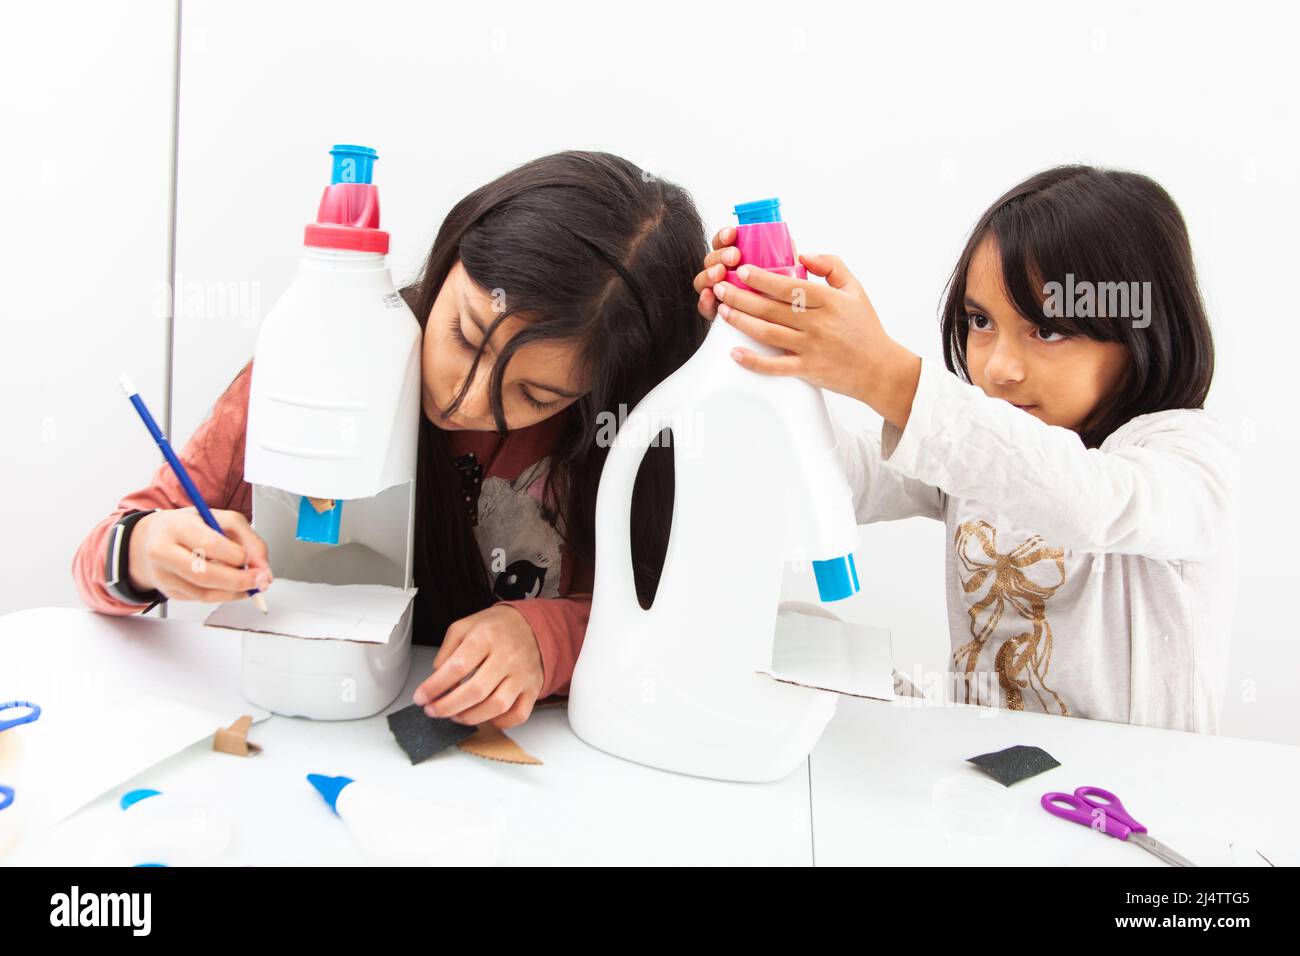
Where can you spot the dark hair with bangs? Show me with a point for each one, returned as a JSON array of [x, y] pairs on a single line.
[[588, 250], [1099, 226]]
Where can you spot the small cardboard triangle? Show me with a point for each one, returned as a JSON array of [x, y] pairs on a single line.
[[234, 739], [492, 743]]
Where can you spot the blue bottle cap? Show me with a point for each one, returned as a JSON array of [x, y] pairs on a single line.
[[321, 527], [352, 164], [133, 797], [760, 210], [329, 787], [837, 578]]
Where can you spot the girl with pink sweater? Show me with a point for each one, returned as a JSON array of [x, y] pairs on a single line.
[[553, 294]]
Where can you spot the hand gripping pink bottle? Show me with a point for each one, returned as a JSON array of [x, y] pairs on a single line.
[[764, 241]]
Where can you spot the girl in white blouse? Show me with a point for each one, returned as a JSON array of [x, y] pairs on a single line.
[[1088, 498]]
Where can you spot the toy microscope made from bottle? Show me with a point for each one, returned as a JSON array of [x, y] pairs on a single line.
[[333, 417], [758, 485]]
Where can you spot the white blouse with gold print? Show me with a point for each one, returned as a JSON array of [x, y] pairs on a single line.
[[1082, 582]]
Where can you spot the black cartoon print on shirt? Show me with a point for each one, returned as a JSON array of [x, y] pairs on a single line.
[[515, 534]]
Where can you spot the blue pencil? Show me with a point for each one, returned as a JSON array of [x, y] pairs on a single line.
[[182, 475]]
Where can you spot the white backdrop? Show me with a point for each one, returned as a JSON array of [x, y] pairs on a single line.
[[885, 129]]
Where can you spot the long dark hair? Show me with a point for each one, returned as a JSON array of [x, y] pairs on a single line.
[[1100, 225], [589, 250]]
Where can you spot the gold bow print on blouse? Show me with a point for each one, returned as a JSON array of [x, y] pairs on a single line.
[[1021, 661]]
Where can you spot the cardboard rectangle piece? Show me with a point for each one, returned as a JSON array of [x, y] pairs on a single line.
[[833, 655], [347, 612]]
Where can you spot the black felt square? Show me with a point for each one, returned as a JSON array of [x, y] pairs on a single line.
[[422, 736], [1015, 763]]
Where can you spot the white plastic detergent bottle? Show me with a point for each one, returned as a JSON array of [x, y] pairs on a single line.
[[333, 430], [758, 485]]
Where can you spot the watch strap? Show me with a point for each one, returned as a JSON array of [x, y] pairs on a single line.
[[117, 579]]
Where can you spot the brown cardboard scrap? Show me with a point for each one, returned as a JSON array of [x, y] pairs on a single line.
[[492, 743], [321, 505], [234, 739], [553, 701]]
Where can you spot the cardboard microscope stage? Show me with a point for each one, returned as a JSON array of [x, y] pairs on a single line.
[[333, 417]]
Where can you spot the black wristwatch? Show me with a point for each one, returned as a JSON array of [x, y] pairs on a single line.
[[117, 581]]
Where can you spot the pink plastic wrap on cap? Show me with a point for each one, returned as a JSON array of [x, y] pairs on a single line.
[[768, 246]]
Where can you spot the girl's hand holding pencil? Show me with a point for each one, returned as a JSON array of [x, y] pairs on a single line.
[[186, 553], [178, 554]]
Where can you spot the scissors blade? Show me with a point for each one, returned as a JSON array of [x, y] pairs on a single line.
[[1152, 845]]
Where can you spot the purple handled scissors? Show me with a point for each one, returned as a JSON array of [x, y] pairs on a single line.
[[1101, 810]]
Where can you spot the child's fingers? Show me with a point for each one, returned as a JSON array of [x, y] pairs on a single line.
[[237, 528], [715, 268], [455, 633], [474, 691], [708, 304], [501, 701], [768, 364], [200, 539], [725, 236], [808, 295], [834, 271], [707, 277], [203, 573], [459, 664], [177, 588], [726, 256], [768, 333], [761, 306], [517, 714]]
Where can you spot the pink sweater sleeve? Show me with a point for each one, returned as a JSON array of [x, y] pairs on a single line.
[[214, 457], [559, 624]]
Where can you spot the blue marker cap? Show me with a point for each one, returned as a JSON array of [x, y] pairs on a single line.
[[837, 578], [329, 787], [760, 210], [352, 164]]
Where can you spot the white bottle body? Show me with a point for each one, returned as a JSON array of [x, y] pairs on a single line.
[[758, 483], [334, 413], [333, 408]]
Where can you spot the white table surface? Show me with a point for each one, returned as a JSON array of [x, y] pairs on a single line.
[[891, 785], [887, 783], [581, 806]]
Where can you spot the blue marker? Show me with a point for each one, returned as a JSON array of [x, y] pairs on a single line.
[[191, 491]]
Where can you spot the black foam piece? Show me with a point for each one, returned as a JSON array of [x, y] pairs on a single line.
[[1015, 763], [422, 736]]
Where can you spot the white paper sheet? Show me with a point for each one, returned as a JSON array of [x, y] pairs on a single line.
[[833, 655], [70, 760], [345, 612], [117, 695]]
